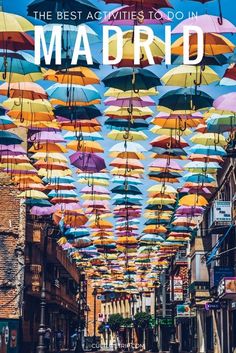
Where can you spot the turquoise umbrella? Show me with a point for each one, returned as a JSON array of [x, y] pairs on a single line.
[[93, 136], [207, 150], [199, 178], [62, 193], [8, 138], [59, 180], [73, 93]]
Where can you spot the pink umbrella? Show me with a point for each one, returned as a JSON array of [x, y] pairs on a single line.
[[46, 136], [166, 163], [12, 148], [193, 190], [129, 102], [41, 211], [123, 16], [96, 203], [94, 190], [208, 23], [226, 102], [164, 115]]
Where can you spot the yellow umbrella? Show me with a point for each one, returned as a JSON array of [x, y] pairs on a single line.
[[18, 166], [209, 139], [50, 157], [127, 154], [214, 44], [54, 173], [10, 22], [160, 188], [123, 112], [35, 194], [155, 229], [38, 124], [91, 181], [129, 136], [14, 77], [74, 75], [29, 106], [193, 200], [189, 75], [119, 94], [123, 171], [157, 48], [75, 104], [95, 197], [170, 132], [161, 201], [85, 146]]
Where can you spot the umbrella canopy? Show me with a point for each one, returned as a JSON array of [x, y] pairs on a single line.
[[88, 162], [214, 44], [157, 48], [116, 16], [189, 75], [85, 6], [131, 79], [226, 102], [208, 23], [185, 99], [193, 200]]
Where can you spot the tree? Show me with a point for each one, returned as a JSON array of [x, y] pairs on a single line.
[[141, 323], [115, 322]]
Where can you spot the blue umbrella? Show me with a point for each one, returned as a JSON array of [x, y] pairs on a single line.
[[199, 178], [8, 138], [208, 150], [73, 93]]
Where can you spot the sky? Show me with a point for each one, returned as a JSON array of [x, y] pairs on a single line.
[[185, 6]]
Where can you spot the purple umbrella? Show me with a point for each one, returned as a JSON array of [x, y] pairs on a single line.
[[46, 136], [130, 15], [128, 102], [87, 162], [208, 24], [94, 190], [226, 102], [189, 210], [12, 148], [41, 211], [165, 163]]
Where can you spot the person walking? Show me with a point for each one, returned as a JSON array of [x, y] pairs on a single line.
[[59, 338], [47, 338]]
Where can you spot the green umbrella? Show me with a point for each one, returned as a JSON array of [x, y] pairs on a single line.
[[128, 79]]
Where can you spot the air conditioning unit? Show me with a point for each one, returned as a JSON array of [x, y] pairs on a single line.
[[220, 214]]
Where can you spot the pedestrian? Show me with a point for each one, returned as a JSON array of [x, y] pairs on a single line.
[[47, 338], [74, 339], [59, 338]]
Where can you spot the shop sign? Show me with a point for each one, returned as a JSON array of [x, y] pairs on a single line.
[[178, 289], [213, 306], [185, 311], [219, 272], [227, 287], [165, 321], [221, 213]]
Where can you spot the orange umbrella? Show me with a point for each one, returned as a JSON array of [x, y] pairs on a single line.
[[48, 148], [76, 75], [27, 90], [85, 146]]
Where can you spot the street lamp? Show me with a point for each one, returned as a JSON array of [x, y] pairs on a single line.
[[155, 340], [41, 348], [133, 300], [94, 318], [174, 345]]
